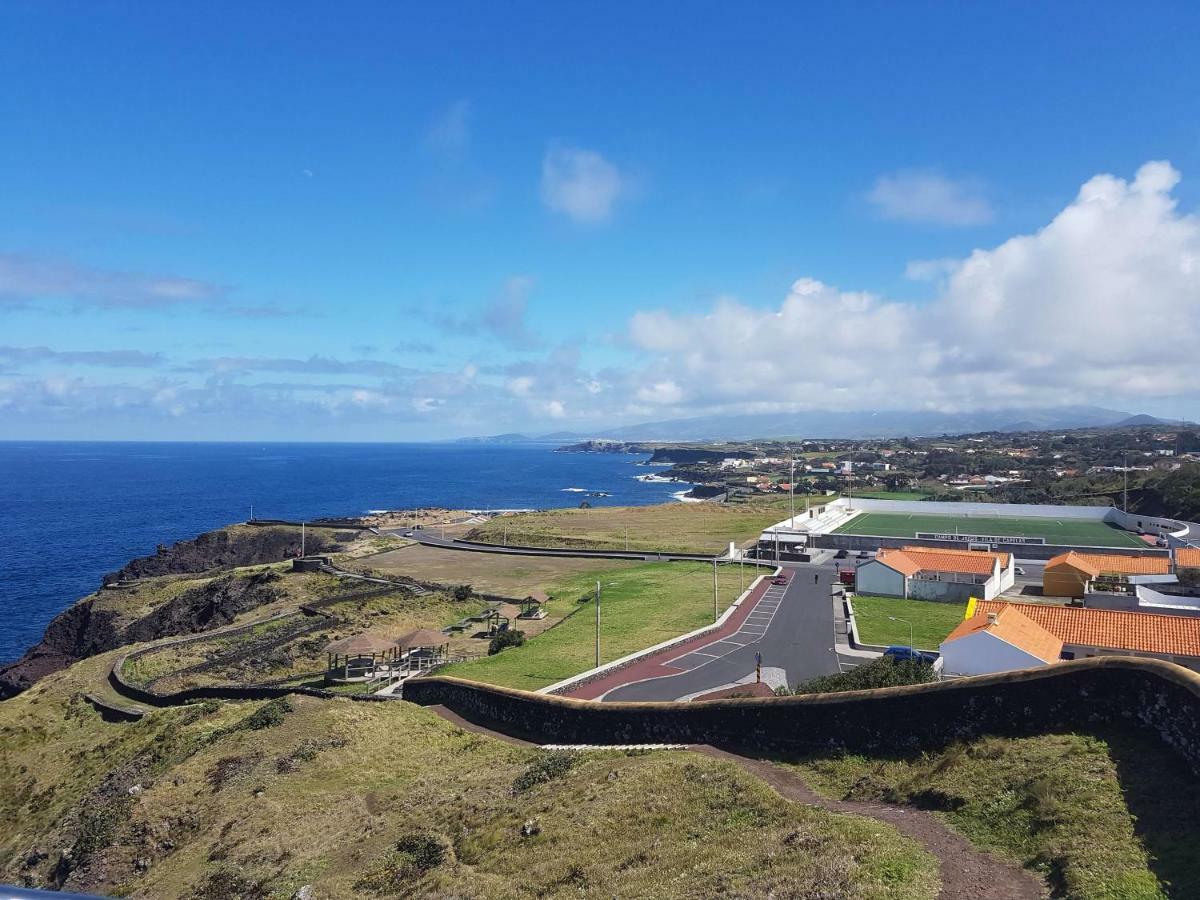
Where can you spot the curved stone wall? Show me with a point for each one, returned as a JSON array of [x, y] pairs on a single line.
[[1160, 698]]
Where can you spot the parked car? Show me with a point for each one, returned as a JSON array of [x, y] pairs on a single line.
[[1018, 570], [841, 554], [911, 654], [780, 579], [863, 554]]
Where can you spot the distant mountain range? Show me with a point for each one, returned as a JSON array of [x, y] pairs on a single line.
[[837, 424]]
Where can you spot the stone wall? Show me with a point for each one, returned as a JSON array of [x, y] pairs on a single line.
[[1157, 697]]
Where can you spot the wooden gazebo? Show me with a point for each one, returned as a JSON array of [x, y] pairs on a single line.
[[362, 657], [534, 605], [423, 648]]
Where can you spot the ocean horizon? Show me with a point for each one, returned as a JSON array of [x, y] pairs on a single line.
[[72, 511]]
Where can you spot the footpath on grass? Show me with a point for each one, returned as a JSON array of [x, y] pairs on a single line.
[[656, 664]]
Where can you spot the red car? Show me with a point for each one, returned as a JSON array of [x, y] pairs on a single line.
[[781, 579]]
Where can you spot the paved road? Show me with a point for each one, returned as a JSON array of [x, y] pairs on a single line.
[[791, 627], [428, 538]]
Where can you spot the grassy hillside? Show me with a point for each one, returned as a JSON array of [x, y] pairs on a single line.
[[679, 527], [257, 800], [1103, 819], [640, 607]]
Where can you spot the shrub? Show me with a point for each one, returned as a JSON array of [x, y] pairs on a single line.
[[463, 592], [413, 856], [879, 673], [546, 767], [504, 640]]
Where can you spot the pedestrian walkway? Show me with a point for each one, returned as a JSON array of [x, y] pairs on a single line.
[[682, 657]]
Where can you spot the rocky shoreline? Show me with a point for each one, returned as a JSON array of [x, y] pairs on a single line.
[[93, 625]]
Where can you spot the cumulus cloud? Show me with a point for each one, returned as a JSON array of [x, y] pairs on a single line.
[[581, 184], [929, 198], [1102, 305]]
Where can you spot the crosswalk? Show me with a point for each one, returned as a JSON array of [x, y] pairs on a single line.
[[751, 630]]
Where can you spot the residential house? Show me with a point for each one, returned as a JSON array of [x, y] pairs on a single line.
[[999, 641], [928, 573]]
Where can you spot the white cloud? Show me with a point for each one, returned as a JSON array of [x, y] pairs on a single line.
[[24, 278], [929, 198], [581, 184], [1102, 305]]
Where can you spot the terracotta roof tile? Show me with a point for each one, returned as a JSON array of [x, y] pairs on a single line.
[[972, 562], [1111, 629], [1012, 627], [1112, 563], [1188, 557], [1003, 557]]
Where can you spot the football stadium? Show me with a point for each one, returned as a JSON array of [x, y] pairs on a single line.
[[1030, 531], [991, 529]]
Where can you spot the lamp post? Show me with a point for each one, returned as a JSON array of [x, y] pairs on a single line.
[[792, 493], [597, 624]]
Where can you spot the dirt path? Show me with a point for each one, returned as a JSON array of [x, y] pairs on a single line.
[[967, 872]]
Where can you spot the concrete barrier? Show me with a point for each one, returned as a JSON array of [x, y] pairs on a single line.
[[1159, 698]]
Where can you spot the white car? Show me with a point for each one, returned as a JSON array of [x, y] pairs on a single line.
[[1018, 570]]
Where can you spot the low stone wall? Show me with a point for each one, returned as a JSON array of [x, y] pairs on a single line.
[[1157, 697]]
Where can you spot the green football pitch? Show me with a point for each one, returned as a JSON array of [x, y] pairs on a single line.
[[1078, 532]]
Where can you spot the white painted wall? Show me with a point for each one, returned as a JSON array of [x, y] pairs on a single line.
[[875, 578], [982, 653]]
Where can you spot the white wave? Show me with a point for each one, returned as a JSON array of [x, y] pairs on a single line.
[[576, 490]]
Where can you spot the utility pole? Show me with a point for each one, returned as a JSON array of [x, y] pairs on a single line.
[[302, 537], [251, 512], [792, 494], [626, 538], [715, 614], [597, 623], [742, 574], [1126, 473]]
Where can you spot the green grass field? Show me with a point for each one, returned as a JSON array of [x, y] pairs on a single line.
[[1088, 533], [931, 621], [639, 607]]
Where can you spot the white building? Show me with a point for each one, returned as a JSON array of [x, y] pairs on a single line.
[[927, 573], [999, 641]]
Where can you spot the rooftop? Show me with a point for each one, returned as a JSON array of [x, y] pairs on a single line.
[[1013, 627], [1112, 563], [1112, 629], [911, 560]]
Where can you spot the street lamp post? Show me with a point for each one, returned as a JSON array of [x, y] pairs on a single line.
[[597, 624], [792, 494]]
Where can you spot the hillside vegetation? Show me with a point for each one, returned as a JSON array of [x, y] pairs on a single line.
[[257, 800], [1112, 818]]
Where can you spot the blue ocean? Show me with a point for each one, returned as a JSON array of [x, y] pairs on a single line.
[[70, 512]]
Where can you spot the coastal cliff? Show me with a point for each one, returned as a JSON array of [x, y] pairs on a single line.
[[117, 614]]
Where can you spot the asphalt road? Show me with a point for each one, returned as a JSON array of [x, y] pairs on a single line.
[[428, 538], [792, 628]]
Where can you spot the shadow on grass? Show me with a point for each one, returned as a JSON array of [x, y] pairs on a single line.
[[1163, 795]]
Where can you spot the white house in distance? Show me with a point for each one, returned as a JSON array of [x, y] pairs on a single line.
[[927, 573], [998, 641]]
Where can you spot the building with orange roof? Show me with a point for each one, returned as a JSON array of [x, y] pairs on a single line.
[[1073, 574], [933, 573], [1085, 631], [998, 641]]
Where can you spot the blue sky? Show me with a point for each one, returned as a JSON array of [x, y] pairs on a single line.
[[384, 222]]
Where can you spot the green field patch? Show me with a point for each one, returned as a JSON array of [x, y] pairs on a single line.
[[640, 607], [1077, 532], [931, 621]]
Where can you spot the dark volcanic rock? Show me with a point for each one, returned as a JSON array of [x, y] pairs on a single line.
[[87, 628], [222, 549]]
